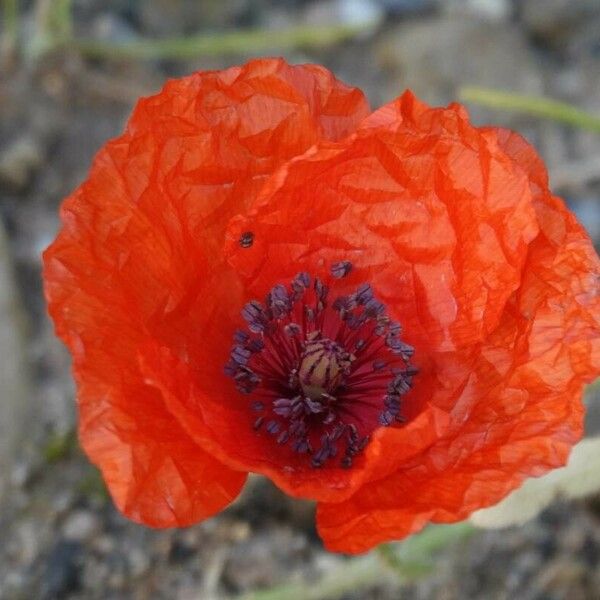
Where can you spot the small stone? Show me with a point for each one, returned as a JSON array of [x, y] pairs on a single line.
[[80, 526], [26, 542], [110, 27], [560, 575], [365, 14], [239, 531], [139, 562], [104, 544], [117, 579], [492, 11], [21, 473], [14, 581], [573, 540], [62, 502], [19, 160]]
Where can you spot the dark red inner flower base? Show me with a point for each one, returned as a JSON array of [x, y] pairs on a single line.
[[321, 374]]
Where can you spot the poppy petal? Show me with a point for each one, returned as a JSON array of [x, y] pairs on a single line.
[[527, 385], [154, 471], [433, 213], [141, 246], [518, 429]]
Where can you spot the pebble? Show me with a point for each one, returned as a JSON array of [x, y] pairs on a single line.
[[112, 28], [21, 472], [138, 561], [14, 581], [359, 13], [80, 526], [362, 14], [62, 502], [19, 160], [560, 575], [104, 544], [493, 11], [24, 545]]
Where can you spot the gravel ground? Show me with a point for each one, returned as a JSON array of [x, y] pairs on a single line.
[[62, 538]]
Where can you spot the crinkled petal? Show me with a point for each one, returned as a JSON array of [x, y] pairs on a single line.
[[525, 391], [434, 215], [156, 474], [432, 212], [141, 249]]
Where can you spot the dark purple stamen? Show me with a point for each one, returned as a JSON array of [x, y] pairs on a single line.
[[292, 329], [341, 269], [364, 293], [255, 315], [323, 374], [273, 427], [240, 337]]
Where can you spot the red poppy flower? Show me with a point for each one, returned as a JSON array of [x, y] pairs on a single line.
[[389, 314]]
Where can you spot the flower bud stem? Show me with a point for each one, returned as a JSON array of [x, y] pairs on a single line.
[[531, 105]]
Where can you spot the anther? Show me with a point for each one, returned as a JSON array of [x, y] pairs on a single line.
[[279, 302], [301, 282], [341, 269], [272, 427], [283, 437], [386, 418], [364, 293], [292, 329]]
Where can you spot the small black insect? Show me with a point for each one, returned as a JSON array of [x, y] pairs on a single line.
[[246, 239]]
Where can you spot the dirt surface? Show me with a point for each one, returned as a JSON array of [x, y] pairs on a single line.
[[62, 537]]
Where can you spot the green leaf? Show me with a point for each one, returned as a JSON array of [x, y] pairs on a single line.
[[580, 478]]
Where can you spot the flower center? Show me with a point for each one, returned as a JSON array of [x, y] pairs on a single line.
[[323, 365], [322, 375]]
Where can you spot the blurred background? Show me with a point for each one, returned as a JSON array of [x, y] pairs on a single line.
[[70, 72]]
